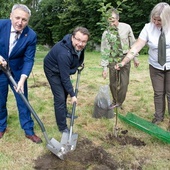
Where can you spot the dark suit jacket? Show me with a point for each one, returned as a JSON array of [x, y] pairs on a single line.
[[21, 59], [63, 60]]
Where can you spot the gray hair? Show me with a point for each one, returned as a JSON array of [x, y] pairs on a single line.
[[22, 7], [162, 10], [115, 11]]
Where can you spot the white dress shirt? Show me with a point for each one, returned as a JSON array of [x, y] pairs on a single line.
[[150, 33], [12, 39]]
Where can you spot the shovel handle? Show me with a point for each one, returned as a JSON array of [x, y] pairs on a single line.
[[9, 75], [5, 69], [78, 78], [81, 68], [76, 92]]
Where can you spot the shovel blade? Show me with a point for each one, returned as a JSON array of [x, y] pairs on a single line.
[[69, 143], [56, 148], [57, 145]]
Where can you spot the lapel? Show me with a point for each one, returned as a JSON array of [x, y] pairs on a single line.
[[21, 42], [7, 31]]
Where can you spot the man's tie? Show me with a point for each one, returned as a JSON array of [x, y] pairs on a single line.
[[17, 33], [13, 43], [119, 41], [162, 49]]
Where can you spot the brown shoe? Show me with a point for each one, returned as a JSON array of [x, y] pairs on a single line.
[[34, 138], [1, 134]]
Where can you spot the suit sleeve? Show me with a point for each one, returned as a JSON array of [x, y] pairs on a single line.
[[29, 56]]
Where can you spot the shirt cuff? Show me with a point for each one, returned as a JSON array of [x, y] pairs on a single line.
[[104, 68], [24, 75]]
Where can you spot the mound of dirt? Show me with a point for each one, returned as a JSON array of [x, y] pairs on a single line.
[[84, 157], [87, 155], [123, 139]]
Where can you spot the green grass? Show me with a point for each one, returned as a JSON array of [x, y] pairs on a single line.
[[16, 152]]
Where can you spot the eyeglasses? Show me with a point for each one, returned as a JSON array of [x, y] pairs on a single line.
[[79, 41]]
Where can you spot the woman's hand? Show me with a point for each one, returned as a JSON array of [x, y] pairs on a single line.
[[104, 74], [119, 65]]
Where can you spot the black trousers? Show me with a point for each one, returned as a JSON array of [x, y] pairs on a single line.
[[60, 98], [119, 81], [161, 86]]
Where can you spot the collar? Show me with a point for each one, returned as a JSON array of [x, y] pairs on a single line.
[[77, 52], [13, 30]]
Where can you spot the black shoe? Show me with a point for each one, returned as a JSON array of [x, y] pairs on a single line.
[[156, 121], [69, 116]]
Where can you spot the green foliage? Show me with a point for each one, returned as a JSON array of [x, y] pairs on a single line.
[[6, 5], [137, 13], [45, 21], [5, 9], [80, 13], [55, 18], [144, 50], [42, 48], [115, 53], [52, 19]]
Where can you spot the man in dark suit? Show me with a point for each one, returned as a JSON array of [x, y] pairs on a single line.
[[61, 62], [17, 51]]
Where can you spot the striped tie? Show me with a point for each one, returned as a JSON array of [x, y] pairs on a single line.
[[12, 44], [17, 33]]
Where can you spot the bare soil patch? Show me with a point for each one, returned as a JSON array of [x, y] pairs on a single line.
[[39, 84], [123, 139], [87, 156]]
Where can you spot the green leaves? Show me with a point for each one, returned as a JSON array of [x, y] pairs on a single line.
[[5, 9], [113, 52], [119, 3]]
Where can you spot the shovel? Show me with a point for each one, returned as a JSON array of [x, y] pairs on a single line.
[[69, 140], [53, 145]]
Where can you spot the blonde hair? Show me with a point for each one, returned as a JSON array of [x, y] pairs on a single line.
[[162, 10]]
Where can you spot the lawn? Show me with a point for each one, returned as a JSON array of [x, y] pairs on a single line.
[[17, 152]]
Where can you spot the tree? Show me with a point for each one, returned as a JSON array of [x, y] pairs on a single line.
[[45, 21], [81, 13], [115, 53], [53, 19], [5, 8]]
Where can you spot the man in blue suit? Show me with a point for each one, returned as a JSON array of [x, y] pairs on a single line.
[[17, 51]]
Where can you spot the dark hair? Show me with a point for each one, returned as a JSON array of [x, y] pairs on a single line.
[[83, 30]]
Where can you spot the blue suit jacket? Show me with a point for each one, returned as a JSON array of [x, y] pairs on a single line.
[[21, 59]]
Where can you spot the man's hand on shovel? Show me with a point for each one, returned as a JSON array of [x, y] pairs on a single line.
[[20, 86], [3, 63]]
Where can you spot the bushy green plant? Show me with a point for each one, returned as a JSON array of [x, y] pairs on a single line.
[[115, 53], [42, 48]]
